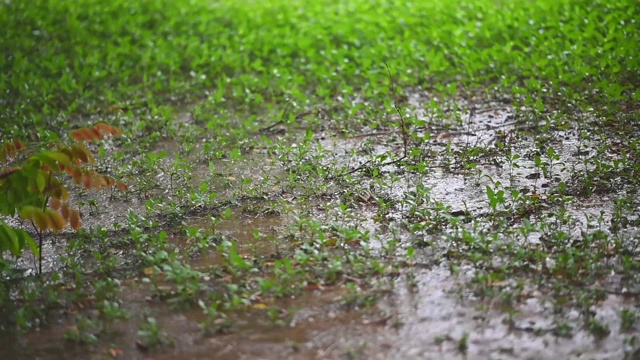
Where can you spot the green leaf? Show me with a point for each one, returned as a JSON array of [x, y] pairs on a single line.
[[9, 240], [27, 239], [490, 193], [29, 212], [52, 159], [41, 181], [236, 260], [60, 157], [15, 240]]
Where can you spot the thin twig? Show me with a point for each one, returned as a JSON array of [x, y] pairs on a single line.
[[357, 136], [364, 164], [395, 106], [404, 134], [282, 120], [39, 233], [353, 170], [267, 128]]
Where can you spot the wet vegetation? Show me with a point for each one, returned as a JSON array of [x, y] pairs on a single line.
[[319, 179]]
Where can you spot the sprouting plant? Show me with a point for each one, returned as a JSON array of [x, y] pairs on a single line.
[[511, 159], [150, 335], [563, 329], [598, 329], [234, 261], [542, 165], [111, 310], [463, 343], [628, 319], [495, 196], [552, 157], [85, 331]]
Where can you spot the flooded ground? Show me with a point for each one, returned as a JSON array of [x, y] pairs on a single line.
[[426, 318], [353, 179], [485, 202]]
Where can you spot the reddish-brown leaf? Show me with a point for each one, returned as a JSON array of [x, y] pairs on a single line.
[[103, 128], [19, 145], [89, 135], [97, 135], [87, 181], [108, 181], [66, 151], [67, 169], [108, 129], [97, 132], [55, 203], [65, 210], [77, 175], [77, 135], [85, 134], [98, 180], [57, 190], [74, 219]]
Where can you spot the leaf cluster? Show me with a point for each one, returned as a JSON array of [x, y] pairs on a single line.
[[36, 192]]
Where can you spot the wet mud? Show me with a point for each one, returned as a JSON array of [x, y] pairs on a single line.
[[425, 312]]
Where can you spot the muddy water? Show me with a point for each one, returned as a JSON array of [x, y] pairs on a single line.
[[312, 325], [255, 235], [437, 313], [427, 313], [423, 321], [434, 320]]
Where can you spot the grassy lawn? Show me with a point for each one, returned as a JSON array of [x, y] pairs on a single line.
[[291, 157]]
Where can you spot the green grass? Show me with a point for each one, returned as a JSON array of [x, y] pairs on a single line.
[[65, 59], [194, 85]]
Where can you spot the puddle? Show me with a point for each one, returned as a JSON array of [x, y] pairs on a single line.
[[434, 318], [311, 326], [481, 133], [427, 312], [254, 235], [423, 319], [437, 313]]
